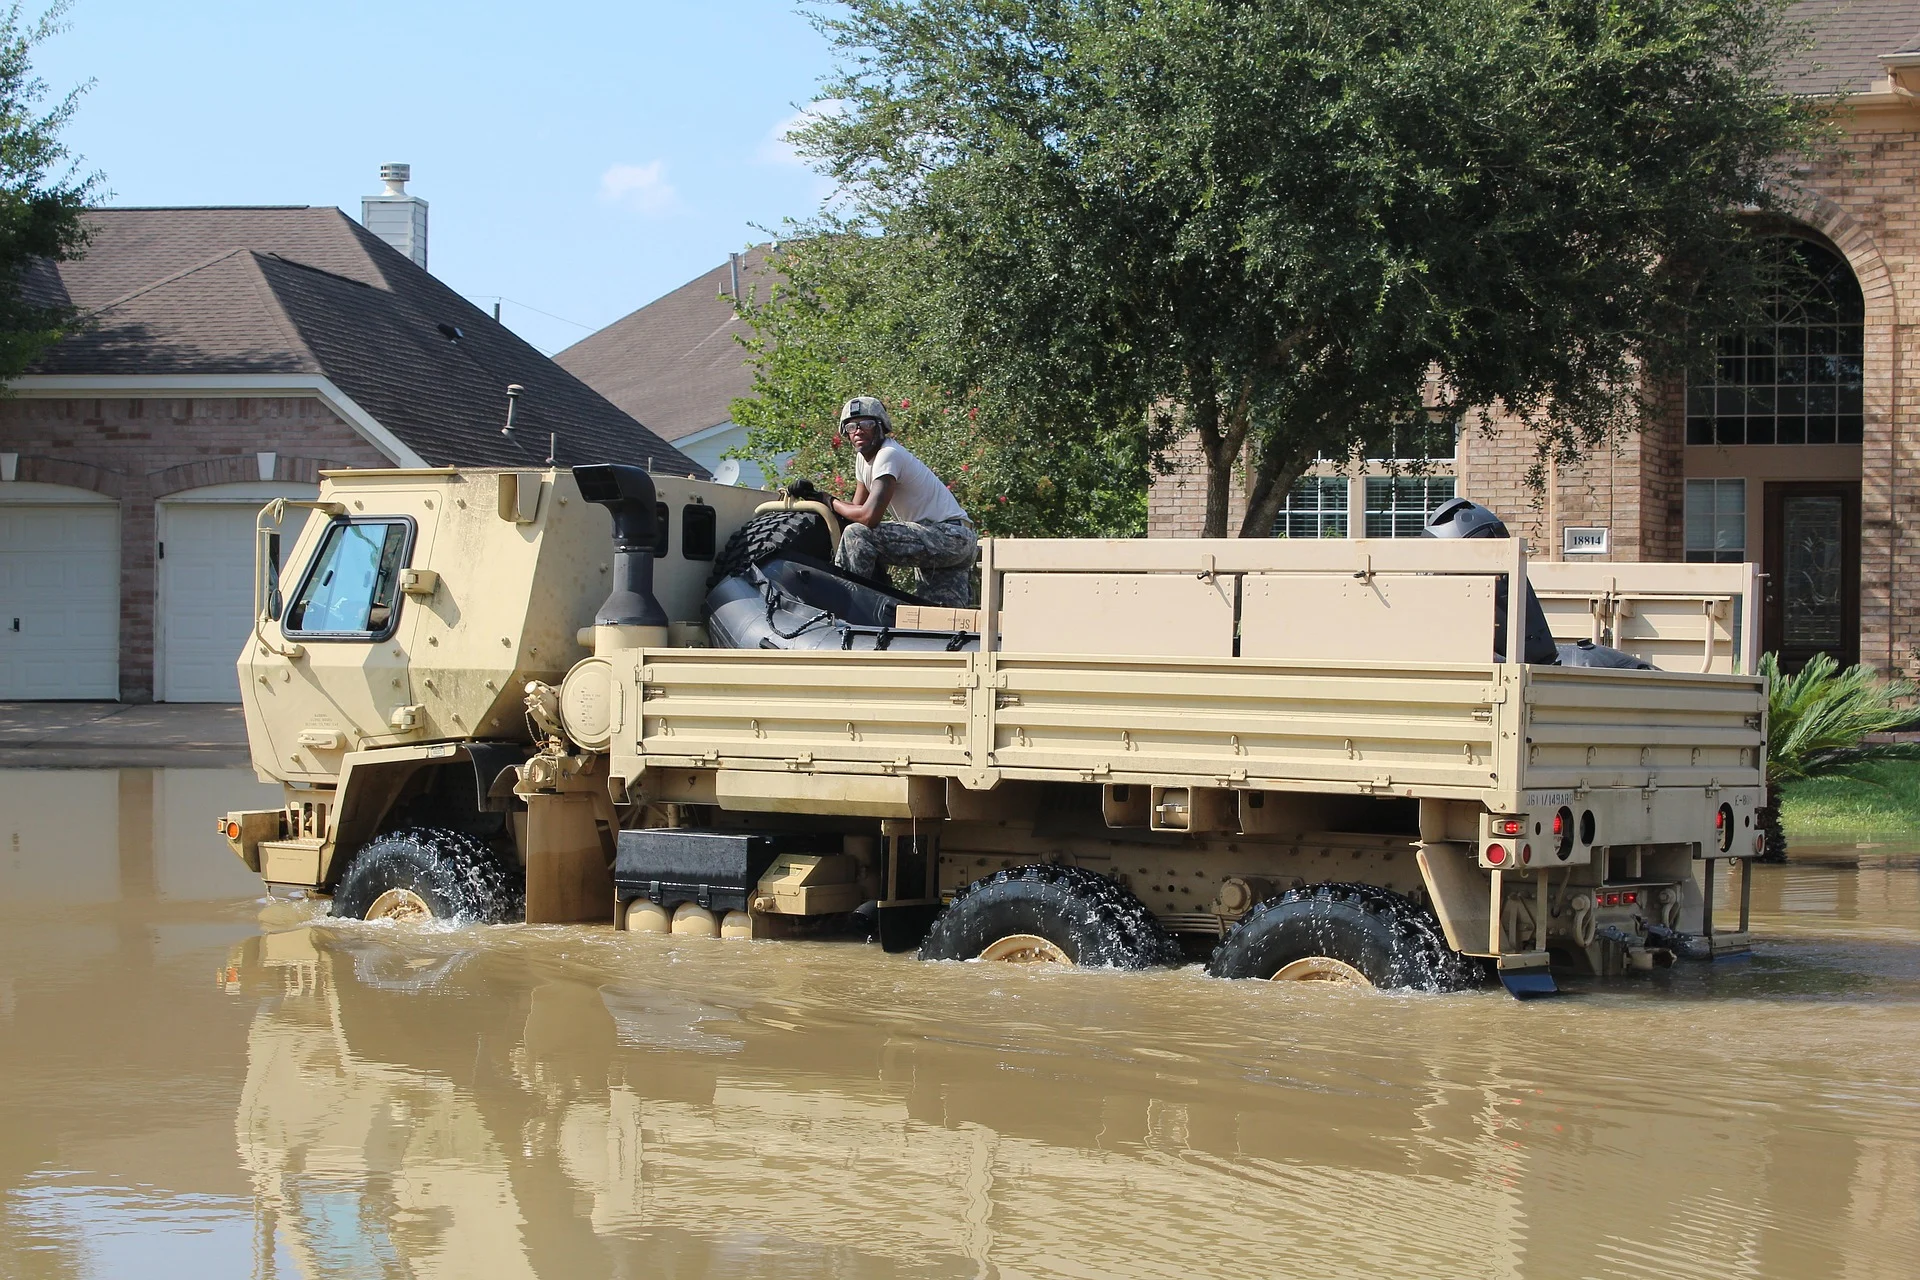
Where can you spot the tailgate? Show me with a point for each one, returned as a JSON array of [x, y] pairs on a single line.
[[1587, 728]]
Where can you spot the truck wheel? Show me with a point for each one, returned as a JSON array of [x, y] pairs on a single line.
[[1351, 934], [771, 534], [1050, 915], [426, 873]]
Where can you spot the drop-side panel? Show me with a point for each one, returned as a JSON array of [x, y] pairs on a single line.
[[1239, 720], [1625, 728], [877, 709]]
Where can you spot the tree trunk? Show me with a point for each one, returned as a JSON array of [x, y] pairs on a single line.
[[1219, 495], [1767, 819], [1219, 445], [1273, 479]]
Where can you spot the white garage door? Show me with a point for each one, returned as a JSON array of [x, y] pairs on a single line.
[[60, 600], [206, 598]]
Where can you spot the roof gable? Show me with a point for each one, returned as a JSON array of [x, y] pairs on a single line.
[[676, 363], [310, 291]]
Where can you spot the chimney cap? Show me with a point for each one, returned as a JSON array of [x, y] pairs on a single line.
[[396, 176]]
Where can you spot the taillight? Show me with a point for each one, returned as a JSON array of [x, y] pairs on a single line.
[[1507, 826], [233, 831], [1723, 824], [1563, 834], [1629, 898], [1496, 855], [1526, 853]]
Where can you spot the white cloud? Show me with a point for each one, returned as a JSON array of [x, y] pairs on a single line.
[[640, 187], [778, 147]]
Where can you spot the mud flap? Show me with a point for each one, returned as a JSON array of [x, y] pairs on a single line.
[[904, 928], [1528, 984], [567, 877]]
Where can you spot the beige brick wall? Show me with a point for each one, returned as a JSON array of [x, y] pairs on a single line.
[[1177, 501], [139, 450]]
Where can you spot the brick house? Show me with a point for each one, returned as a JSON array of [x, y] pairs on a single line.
[[231, 355], [1797, 453]]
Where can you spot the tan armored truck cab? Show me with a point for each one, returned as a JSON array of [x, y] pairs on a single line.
[[1293, 759]]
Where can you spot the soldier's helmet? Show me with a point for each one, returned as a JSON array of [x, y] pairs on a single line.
[[866, 407], [1462, 518]]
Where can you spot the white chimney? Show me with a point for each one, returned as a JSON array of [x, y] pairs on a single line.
[[395, 216]]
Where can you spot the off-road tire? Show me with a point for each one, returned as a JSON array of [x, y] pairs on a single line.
[[771, 534], [458, 876], [1094, 921], [1393, 943]]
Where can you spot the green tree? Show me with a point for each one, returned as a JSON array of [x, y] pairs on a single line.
[[849, 315], [43, 196], [1818, 720], [1294, 227]]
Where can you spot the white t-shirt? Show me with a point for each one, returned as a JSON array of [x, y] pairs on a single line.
[[918, 494]]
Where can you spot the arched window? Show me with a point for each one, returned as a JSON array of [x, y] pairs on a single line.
[[1796, 378]]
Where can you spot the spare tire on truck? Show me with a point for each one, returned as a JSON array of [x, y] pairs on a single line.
[[1351, 934], [1048, 914], [771, 534]]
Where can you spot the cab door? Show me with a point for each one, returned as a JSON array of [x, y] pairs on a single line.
[[341, 680]]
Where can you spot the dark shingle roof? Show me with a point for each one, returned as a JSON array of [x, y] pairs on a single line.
[[676, 363], [1848, 37], [296, 290]]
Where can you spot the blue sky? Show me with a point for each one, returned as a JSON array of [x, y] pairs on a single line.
[[581, 157]]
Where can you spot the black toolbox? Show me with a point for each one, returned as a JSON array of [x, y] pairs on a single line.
[[716, 869]]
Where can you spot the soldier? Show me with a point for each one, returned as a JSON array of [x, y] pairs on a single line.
[[929, 529]]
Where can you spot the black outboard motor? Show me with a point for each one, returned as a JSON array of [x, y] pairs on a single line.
[[1460, 518], [631, 616]]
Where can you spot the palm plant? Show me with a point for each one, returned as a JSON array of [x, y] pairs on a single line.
[[1817, 723]]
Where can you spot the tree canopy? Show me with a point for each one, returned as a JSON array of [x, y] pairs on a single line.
[[42, 195], [1290, 227], [851, 315]]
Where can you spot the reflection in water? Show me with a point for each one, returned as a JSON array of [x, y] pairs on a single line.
[[369, 1100]]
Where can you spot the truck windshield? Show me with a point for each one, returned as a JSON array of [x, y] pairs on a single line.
[[350, 589]]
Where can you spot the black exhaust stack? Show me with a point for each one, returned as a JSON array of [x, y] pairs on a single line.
[[628, 493]]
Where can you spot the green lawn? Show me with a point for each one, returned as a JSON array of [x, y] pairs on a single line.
[[1835, 807]]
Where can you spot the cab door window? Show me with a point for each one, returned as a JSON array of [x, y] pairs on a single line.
[[352, 589]]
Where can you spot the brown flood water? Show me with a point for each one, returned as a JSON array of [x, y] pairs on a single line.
[[192, 1085]]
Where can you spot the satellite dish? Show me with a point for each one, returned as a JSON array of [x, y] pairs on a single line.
[[728, 472]]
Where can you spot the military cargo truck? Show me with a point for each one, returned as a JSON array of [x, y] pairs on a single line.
[[1292, 759]]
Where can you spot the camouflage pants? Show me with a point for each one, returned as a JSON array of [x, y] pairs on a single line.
[[940, 552]]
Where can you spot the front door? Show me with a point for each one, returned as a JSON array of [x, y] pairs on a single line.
[[1813, 572]]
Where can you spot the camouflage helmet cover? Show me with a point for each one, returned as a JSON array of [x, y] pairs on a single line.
[[866, 407]]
